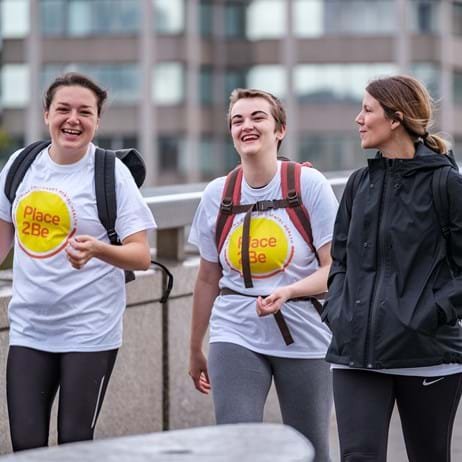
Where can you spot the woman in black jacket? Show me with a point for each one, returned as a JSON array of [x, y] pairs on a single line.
[[395, 286]]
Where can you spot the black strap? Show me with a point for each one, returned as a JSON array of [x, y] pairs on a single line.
[[440, 198], [20, 166], [352, 188], [106, 200], [167, 281], [279, 317]]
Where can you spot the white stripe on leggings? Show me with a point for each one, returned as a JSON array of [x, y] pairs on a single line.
[[93, 423]]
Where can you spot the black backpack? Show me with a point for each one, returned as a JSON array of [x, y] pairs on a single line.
[[105, 190]]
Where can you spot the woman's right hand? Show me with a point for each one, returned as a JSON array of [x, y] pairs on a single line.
[[198, 372]]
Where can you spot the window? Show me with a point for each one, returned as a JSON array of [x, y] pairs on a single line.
[[81, 18], [266, 19], [14, 18], [271, 78], [235, 20], [169, 16], [171, 151], [14, 86], [430, 75], [168, 86], [313, 18], [234, 78], [457, 87], [336, 83], [333, 151], [457, 18], [206, 86], [424, 16], [206, 18], [121, 80]]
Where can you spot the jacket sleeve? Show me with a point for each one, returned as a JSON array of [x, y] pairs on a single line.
[[342, 226], [449, 297]]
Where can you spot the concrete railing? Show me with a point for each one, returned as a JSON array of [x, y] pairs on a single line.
[[150, 389], [226, 443]]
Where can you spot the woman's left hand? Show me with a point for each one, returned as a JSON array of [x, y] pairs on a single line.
[[81, 249], [273, 303]]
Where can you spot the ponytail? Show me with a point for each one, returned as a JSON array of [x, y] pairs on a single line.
[[436, 143]]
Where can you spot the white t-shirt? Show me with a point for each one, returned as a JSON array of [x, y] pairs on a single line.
[[55, 307], [279, 256]]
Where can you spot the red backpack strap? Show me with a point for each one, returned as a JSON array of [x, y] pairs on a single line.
[[231, 196], [291, 190]]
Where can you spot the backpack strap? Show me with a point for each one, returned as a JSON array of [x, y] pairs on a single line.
[[291, 191], [231, 196], [352, 187], [440, 198], [106, 200], [20, 166]]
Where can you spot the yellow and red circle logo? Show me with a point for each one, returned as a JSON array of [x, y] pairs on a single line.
[[270, 250], [44, 221]]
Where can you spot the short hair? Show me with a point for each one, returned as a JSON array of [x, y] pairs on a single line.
[[74, 79], [277, 109]]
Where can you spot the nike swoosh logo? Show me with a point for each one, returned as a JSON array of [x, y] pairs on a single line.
[[426, 382]]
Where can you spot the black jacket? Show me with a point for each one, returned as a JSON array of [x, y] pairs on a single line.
[[393, 301]]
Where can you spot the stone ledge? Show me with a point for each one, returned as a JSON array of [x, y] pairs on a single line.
[[223, 443]]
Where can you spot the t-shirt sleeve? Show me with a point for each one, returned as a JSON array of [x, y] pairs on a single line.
[[321, 203], [202, 234], [5, 206], [133, 215]]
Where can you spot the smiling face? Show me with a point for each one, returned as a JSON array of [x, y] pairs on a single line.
[[72, 119], [253, 127], [375, 129]]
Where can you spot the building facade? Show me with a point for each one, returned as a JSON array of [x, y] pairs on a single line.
[[169, 66]]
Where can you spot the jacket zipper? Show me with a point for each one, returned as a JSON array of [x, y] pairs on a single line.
[[381, 270]]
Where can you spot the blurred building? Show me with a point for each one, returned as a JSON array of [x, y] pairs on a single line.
[[169, 66]]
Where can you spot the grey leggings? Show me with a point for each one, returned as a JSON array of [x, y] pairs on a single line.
[[241, 380]]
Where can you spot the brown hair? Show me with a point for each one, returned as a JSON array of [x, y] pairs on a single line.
[[405, 94], [277, 109], [74, 79]]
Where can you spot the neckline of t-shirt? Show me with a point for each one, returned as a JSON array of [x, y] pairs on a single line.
[[67, 167], [262, 189]]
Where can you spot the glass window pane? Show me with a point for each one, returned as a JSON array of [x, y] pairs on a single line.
[[169, 16], [336, 83], [80, 18], [205, 18], [313, 18], [457, 18], [235, 20], [430, 75], [206, 86], [266, 19], [14, 86], [120, 80], [14, 16], [168, 88], [457, 85], [234, 78], [270, 78], [332, 151], [424, 16], [53, 15]]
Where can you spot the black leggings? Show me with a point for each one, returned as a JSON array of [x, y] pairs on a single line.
[[364, 403], [32, 380]]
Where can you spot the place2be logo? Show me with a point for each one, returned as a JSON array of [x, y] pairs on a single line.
[[45, 220], [270, 247]]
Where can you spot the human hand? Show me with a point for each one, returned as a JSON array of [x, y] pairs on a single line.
[[198, 372], [273, 303], [81, 249]]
